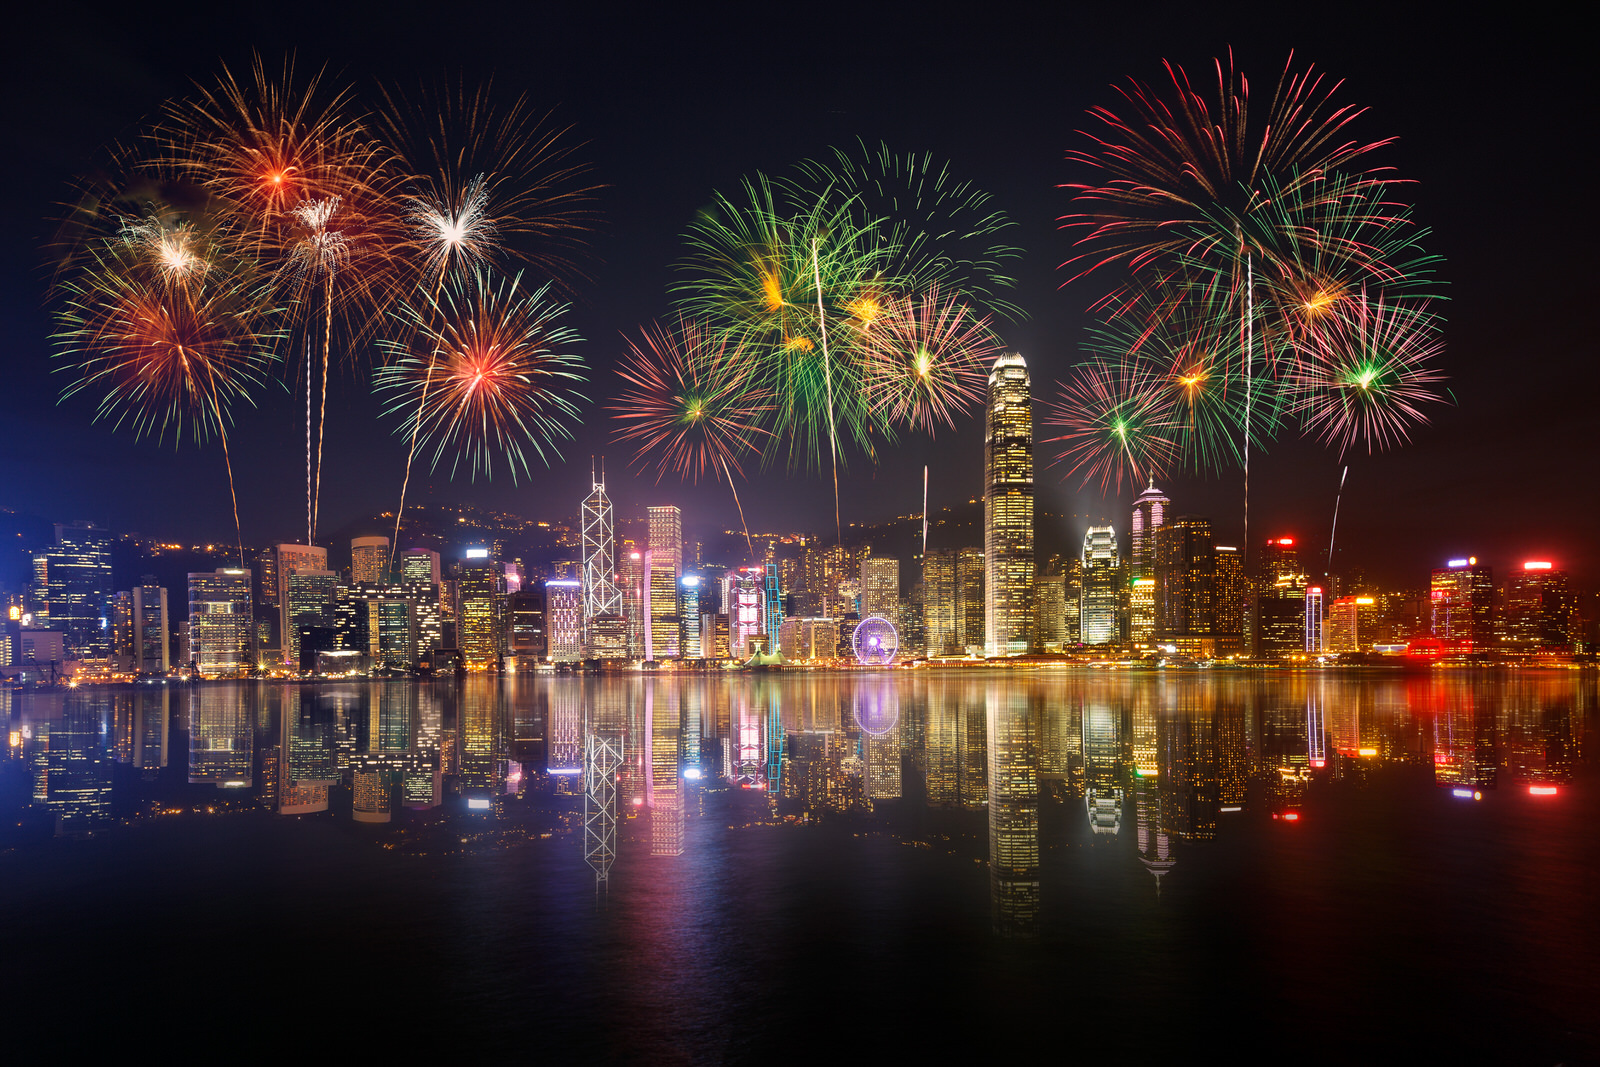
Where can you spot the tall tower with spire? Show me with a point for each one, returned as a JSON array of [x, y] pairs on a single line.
[[600, 593], [1008, 510], [1149, 514]]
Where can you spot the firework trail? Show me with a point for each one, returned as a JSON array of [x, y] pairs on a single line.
[[314, 196], [491, 359]]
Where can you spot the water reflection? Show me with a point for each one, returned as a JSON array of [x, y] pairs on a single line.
[[1135, 768]]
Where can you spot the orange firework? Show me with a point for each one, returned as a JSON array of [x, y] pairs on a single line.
[[483, 373]]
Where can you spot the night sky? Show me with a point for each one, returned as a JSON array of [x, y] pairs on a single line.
[[1493, 118]]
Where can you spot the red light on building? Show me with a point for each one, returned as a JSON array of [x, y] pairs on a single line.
[[1542, 790], [1284, 541], [1537, 565]]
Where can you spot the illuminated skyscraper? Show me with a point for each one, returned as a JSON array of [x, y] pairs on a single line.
[[287, 559], [418, 565], [630, 569], [1280, 600], [600, 593], [689, 604], [1149, 514], [1008, 510], [1231, 599], [1314, 638], [665, 567], [1050, 612], [78, 588], [771, 605], [1101, 591], [970, 601], [1540, 610], [939, 601], [1185, 591], [369, 560], [310, 601], [1462, 594], [564, 617], [880, 589], [743, 597], [220, 621], [481, 600]]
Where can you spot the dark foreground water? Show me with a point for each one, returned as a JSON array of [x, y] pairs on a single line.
[[1308, 867]]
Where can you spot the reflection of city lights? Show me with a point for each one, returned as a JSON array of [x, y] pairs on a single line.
[[1542, 790]]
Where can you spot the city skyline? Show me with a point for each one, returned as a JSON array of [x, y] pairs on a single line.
[[1294, 487]]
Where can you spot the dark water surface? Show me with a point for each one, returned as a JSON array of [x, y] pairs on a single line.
[[1312, 867]]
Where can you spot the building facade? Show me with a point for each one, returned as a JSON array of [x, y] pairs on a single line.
[[1008, 510]]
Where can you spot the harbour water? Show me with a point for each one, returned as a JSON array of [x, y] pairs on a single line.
[[793, 866]]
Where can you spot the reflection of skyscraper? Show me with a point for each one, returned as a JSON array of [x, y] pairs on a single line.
[[1102, 769], [1150, 820], [71, 767], [1098, 617], [665, 792], [1013, 812], [221, 737], [1008, 510]]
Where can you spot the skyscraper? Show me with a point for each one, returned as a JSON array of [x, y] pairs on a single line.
[[150, 627], [77, 587], [1539, 609], [600, 593], [1008, 510], [880, 588], [220, 620], [1280, 600], [1149, 514], [287, 559], [665, 566], [939, 599], [1097, 618], [1185, 570], [481, 596], [1462, 594], [369, 560], [564, 619]]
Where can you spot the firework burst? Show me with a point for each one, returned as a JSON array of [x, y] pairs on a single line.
[[925, 359], [690, 402], [484, 377], [488, 181], [1185, 169], [928, 228], [1116, 421], [1367, 372]]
